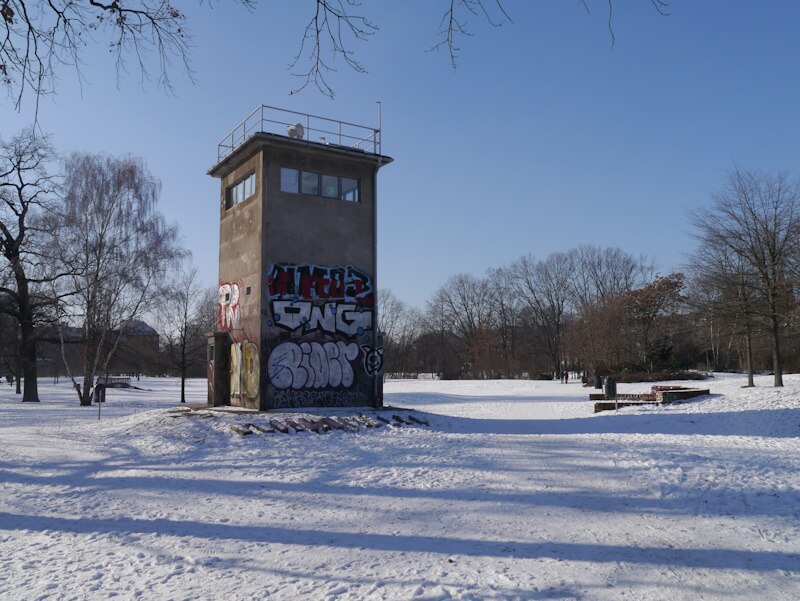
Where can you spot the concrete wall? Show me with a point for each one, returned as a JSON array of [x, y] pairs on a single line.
[[319, 255], [238, 312]]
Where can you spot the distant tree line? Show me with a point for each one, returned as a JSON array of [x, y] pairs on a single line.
[[604, 311], [86, 257]]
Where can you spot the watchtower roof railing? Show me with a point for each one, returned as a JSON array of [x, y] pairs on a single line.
[[270, 119]]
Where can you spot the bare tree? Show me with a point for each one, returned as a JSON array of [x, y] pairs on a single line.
[[649, 311], [26, 192], [462, 308], [391, 313], [724, 291], [756, 216], [600, 278], [115, 245], [544, 288], [399, 325], [506, 314], [600, 275], [187, 314], [596, 337]]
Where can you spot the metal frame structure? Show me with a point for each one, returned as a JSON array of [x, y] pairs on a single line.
[[270, 119]]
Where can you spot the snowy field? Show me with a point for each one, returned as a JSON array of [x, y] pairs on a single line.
[[516, 491]]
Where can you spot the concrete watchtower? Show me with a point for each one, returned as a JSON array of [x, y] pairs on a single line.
[[297, 318]]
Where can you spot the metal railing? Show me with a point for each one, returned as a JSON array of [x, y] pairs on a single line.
[[270, 119]]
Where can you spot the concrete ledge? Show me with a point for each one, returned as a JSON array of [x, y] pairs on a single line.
[[670, 396], [612, 405], [663, 397]]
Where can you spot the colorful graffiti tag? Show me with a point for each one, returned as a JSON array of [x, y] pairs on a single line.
[[228, 305], [319, 325], [250, 369], [313, 282], [236, 370], [244, 371]]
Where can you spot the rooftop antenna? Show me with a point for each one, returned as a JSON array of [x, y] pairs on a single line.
[[379, 132]]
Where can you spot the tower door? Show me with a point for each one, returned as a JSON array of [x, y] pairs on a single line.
[[221, 366]]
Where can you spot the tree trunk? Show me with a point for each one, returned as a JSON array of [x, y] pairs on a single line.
[[30, 392], [31, 389], [183, 383], [18, 374], [749, 356], [92, 349], [777, 367]]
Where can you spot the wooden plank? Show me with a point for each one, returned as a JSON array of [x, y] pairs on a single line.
[[294, 425], [279, 426], [241, 430], [259, 428], [355, 425], [332, 424], [311, 427], [612, 405], [322, 427]]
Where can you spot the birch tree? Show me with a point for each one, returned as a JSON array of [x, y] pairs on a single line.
[[117, 249]]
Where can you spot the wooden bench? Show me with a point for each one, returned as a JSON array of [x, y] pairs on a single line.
[[115, 381]]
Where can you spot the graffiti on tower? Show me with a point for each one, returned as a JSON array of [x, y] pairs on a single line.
[[320, 323], [228, 305]]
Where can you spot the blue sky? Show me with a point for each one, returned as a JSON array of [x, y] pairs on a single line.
[[545, 138]]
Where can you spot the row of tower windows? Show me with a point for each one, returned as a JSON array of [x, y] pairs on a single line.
[[295, 181]]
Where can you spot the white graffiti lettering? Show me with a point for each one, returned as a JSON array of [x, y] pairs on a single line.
[[312, 365], [331, 318]]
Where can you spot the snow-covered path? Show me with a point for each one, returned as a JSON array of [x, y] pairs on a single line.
[[516, 491]]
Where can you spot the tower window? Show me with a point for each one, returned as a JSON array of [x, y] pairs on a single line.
[[349, 189], [295, 181], [309, 183], [330, 186], [241, 190], [290, 180]]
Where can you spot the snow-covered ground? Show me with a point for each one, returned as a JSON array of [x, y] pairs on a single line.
[[516, 491]]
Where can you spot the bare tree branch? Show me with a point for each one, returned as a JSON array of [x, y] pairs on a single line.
[[661, 7], [39, 36], [454, 24], [328, 32]]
